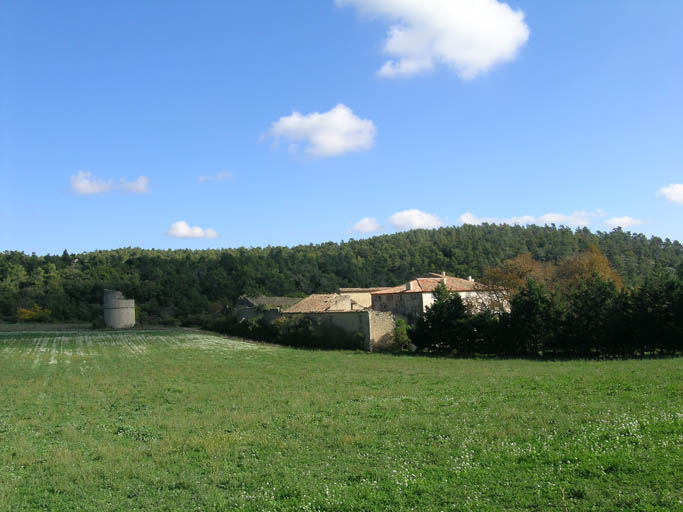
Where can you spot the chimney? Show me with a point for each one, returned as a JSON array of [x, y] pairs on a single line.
[[469, 278], [409, 285], [443, 273]]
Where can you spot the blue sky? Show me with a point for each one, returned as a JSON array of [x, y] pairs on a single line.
[[225, 124]]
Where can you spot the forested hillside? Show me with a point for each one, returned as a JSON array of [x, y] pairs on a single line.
[[168, 283]]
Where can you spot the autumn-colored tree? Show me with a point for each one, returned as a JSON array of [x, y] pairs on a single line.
[[584, 266], [512, 275]]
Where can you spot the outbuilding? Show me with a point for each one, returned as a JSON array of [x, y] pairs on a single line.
[[119, 312]]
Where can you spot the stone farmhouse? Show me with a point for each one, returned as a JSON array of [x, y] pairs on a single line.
[[372, 311], [412, 299]]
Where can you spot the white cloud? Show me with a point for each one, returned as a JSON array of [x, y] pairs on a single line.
[[624, 222], [331, 133], [182, 229], [138, 186], [470, 218], [367, 225], [221, 176], [577, 218], [470, 36], [85, 184], [415, 219], [673, 192]]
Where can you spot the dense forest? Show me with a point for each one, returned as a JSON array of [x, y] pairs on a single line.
[[170, 284]]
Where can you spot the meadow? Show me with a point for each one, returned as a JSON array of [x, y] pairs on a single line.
[[186, 420]]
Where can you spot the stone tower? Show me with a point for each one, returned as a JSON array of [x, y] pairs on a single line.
[[119, 312]]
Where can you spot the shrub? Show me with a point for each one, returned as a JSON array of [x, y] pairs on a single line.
[[308, 332], [401, 338], [34, 314]]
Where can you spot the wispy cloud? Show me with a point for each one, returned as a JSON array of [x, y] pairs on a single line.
[[672, 192], [415, 219], [623, 222], [470, 36], [470, 218], [330, 133], [576, 218], [221, 176], [85, 184], [182, 229], [367, 225], [138, 186]]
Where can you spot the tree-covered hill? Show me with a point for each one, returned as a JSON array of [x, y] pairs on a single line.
[[180, 282]]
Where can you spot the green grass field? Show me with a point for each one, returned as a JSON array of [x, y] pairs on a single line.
[[181, 420]]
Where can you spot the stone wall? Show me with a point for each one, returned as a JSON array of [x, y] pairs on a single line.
[[376, 327], [409, 305], [482, 300], [382, 326], [363, 299], [413, 305], [351, 322]]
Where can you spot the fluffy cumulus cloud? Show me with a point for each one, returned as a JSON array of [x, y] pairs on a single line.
[[221, 176], [182, 229], [623, 222], [577, 218], [330, 133], [415, 219], [367, 225], [85, 184], [673, 192], [470, 36]]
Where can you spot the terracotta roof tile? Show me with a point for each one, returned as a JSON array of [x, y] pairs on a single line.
[[322, 303], [362, 290], [429, 284]]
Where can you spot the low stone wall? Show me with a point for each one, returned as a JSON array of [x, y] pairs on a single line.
[[376, 327], [352, 322], [382, 324]]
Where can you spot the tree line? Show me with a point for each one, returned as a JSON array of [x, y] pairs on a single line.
[[172, 285], [577, 308]]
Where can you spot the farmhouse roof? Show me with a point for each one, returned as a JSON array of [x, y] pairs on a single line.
[[323, 303], [429, 283], [362, 290]]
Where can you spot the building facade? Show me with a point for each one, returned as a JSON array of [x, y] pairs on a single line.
[[412, 299]]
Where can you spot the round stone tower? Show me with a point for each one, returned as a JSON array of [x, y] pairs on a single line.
[[119, 312]]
